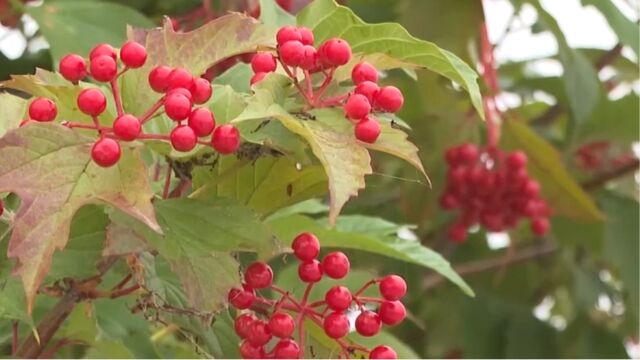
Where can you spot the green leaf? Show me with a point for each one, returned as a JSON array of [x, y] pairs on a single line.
[[12, 301], [559, 189], [327, 19], [273, 15], [50, 168], [627, 31], [386, 245], [12, 111], [238, 77], [623, 127], [77, 26]]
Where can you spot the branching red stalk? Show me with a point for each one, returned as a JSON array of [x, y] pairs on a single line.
[[115, 90], [151, 112], [325, 84], [490, 76], [14, 337]]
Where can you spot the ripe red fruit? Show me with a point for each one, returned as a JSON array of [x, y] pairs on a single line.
[[336, 265], [364, 71], [183, 138], [263, 62], [368, 89], [133, 54], [306, 35], [291, 53], [281, 324], [367, 130], [177, 106], [127, 127], [540, 226], [468, 153], [202, 122], [73, 67], [249, 351], [92, 102], [225, 139], [241, 298], [335, 52], [286, 349], [336, 325], [310, 271], [105, 152], [180, 78], [258, 275], [309, 58], [448, 201], [103, 68], [181, 91], [288, 33], [259, 333], [43, 110], [392, 287], [257, 77], [242, 325], [531, 188], [368, 323], [103, 49], [392, 312], [338, 298], [389, 99], [357, 107], [516, 160], [201, 90], [306, 246], [159, 78], [383, 352]]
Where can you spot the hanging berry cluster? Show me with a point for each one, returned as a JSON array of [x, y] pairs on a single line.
[[264, 321], [295, 53], [493, 189], [180, 92]]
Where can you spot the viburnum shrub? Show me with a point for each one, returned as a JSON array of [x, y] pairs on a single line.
[[274, 328]]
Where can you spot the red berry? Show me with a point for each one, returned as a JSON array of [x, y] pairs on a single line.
[[531, 188], [392, 312], [336, 265], [368, 89], [105, 152], [133, 54], [242, 325], [367, 130], [103, 68], [202, 121], [335, 52], [452, 157], [389, 99], [177, 106], [306, 35], [383, 352], [127, 127], [92, 102], [310, 271], [241, 298], [225, 139], [281, 324], [73, 67], [364, 72], [182, 91], [306, 246], [516, 160], [468, 153], [309, 58], [159, 78], [540, 226], [338, 298], [249, 351], [291, 53], [183, 138], [263, 62], [357, 107], [448, 201], [201, 90], [336, 325], [103, 49], [259, 333], [257, 77], [393, 287], [286, 349], [368, 323], [258, 275], [43, 109], [180, 78], [288, 33]]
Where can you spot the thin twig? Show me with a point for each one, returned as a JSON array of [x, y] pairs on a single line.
[[602, 179]]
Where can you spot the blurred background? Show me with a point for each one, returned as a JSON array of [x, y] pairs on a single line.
[[567, 69]]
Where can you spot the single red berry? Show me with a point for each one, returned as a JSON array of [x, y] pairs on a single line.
[[182, 91], [177, 106], [73, 67], [288, 33], [357, 107], [183, 138], [286, 349], [225, 139], [259, 333], [306, 246], [201, 90], [336, 265], [367, 130], [368, 89], [336, 325], [263, 62], [133, 54], [103, 68], [291, 53], [257, 77], [159, 78], [364, 71], [392, 312], [92, 102], [258, 275], [202, 122], [103, 49], [540, 226], [309, 58], [105, 152], [468, 153], [127, 127], [452, 156], [43, 110], [392, 287], [241, 298], [338, 298], [249, 351], [368, 323], [180, 78], [306, 35], [389, 99], [242, 325], [448, 201], [310, 271], [281, 324], [516, 160], [335, 52], [531, 188], [383, 352]]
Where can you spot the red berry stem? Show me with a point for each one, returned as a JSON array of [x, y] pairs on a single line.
[[296, 83], [307, 80], [334, 100], [93, 126], [115, 90], [287, 295], [367, 299], [365, 287], [490, 77], [152, 110], [327, 81]]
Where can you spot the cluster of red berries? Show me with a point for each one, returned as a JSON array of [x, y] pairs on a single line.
[[330, 313], [180, 91], [493, 189], [295, 52]]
